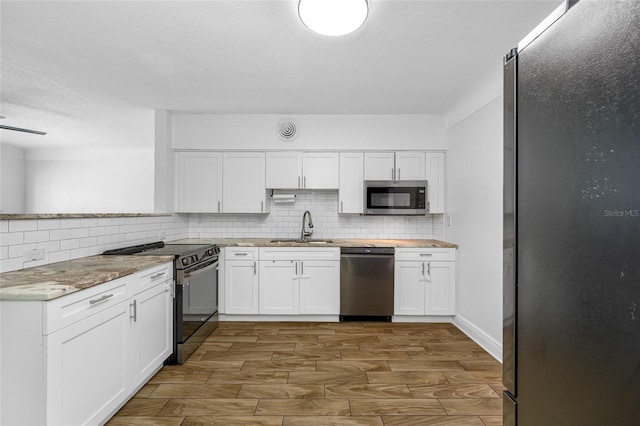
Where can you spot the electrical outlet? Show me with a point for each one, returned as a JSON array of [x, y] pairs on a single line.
[[33, 254], [29, 255]]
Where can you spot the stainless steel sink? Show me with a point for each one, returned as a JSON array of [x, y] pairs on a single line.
[[300, 241]]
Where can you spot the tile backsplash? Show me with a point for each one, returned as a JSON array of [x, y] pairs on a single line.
[[72, 238], [285, 221]]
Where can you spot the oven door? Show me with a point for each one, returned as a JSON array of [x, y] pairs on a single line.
[[395, 198], [198, 287]]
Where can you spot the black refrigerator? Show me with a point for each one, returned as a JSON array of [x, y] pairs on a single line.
[[572, 219]]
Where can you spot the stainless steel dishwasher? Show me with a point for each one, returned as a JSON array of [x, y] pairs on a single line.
[[366, 283]]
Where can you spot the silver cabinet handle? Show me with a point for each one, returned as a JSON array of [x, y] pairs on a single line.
[[426, 254], [423, 269], [254, 268], [296, 268], [341, 206], [301, 268], [158, 275], [393, 174], [134, 315], [105, 297], [218, 206], [240, 254], [428, 277]]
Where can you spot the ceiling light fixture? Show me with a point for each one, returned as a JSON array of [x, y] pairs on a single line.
[[333, 17]]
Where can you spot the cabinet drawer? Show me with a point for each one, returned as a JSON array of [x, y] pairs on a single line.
[[74, 307], [146, 279], [300, 253], [425, 254], [241, 253]]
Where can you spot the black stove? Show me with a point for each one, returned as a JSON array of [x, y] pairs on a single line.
[[186, 254]]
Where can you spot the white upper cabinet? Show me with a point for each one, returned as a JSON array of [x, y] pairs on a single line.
[[351, 191], [410, 165], [198, 182], [321, 170], [284, 170], [243, 188], [379, 166], [310, 170], [401, 165], [435, 179]]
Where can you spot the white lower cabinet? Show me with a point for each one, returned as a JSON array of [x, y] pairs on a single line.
[[77, 359], [320, 287], [299, 281], [279, 287], [87, 371], [151, 330], [241, 280], [425, 282]]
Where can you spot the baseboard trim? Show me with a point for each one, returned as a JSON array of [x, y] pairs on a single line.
[[423, 318], [489, 344], [279, 318]]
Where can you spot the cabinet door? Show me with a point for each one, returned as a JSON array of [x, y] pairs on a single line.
[[198, 182], [87, 368], [241, 287], [440, 288], [435, 179], [284, 170], [351, 191], [408, 288], [151, 330], [320, 287], [243, 185], [410, 166], [321, 170], [279, 287], [379, 165]]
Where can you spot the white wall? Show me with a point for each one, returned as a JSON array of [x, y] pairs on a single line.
[[319, 132], [163, 164], [474, 201], [285, 221], [89, 181], [12, 176]]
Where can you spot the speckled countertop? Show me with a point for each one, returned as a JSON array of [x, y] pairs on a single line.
[[58, 279], [333, 242]]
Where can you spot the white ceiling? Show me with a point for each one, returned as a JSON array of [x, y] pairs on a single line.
[[90, 73]]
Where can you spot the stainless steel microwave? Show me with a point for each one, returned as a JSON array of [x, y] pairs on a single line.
[[386, 197]]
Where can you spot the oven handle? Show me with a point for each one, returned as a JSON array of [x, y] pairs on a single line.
[[200, 269]]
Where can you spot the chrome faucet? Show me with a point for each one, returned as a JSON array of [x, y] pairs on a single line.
[[304, 234]]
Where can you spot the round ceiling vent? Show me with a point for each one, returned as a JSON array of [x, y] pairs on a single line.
[[287, 130]]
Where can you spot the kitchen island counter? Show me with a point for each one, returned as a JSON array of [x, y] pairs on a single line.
[[48, 282], [331, 242]]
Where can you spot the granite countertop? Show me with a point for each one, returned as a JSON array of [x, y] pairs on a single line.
[[58, 279], [334, 242]]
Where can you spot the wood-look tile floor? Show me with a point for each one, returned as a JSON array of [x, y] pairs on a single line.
[[355, 374]]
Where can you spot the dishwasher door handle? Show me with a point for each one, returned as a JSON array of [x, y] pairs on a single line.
[[366, 256]]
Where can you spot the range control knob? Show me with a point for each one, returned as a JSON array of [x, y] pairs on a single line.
[[185, 261]]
